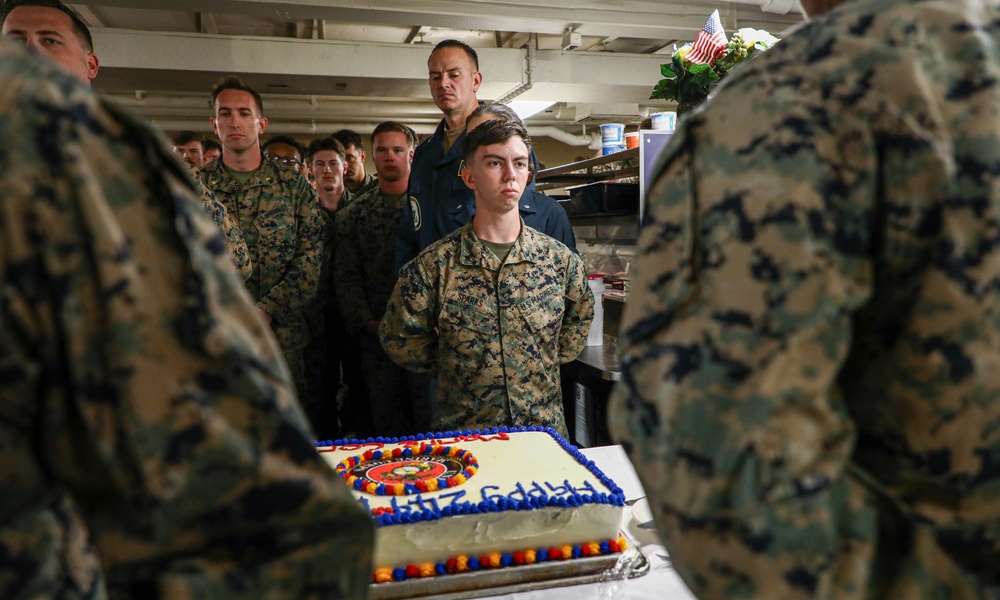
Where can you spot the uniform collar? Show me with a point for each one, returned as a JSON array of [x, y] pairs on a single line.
[[265, 174], [474, 253]]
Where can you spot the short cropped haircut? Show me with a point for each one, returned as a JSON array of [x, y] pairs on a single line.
[[494, 132], [79, 27], [210, 144], [288, 141], [500, 111], [390, 126], [347, 138], [469, 51], [186, 137], [233, 82], [327, 143]]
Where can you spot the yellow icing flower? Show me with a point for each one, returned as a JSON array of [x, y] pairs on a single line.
[[432, 485], [427, 570], [494, 560], [462, 563], [567, 552], [529, 557], [398, 489], [383, 575]]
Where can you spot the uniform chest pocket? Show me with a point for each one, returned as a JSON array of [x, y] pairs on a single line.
[[543, 313], [460, 314]]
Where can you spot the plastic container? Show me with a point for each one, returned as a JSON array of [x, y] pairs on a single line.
[[632, 140], [596, 335], [606, 150], [613, 134], [664, 121]]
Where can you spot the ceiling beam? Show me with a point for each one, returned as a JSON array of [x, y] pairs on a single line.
[[318, 29], [248, 54], [206, 23], [87, 15], [131, 59], [623, 18], [415, 33]]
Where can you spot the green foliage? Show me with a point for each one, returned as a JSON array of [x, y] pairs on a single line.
[[736, 51], [683, 81]]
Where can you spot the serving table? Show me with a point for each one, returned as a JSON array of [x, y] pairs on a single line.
[[660, 582]]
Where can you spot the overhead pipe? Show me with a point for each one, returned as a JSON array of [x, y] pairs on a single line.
[[529, 71], [565, 137]]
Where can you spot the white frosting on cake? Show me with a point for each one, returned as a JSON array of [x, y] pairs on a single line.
[[527, 463]]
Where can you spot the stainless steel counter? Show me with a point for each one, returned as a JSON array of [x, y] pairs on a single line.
[[602, 360]]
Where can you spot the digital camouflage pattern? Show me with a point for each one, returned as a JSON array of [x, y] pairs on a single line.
[[495, 344], [327, 292], [332, 350], [230, 230], [366, 274], [145, 414], [368, 184], [280, 219], [364, 266], [811, 352]]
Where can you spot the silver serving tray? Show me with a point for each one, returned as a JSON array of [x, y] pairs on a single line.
[[509, 580]]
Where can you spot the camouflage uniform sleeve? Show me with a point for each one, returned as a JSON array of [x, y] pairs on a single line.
[[349, 270], [752, 259], [145, 382], [579, 313], [408, 330], [299, 284], [725, 407], [230, 230]]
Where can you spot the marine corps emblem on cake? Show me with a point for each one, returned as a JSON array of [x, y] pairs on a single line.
[[403, 471], [408, 470]]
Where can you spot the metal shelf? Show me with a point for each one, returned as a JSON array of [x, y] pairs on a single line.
[[557, 177]]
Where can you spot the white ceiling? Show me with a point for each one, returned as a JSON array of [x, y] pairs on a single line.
[[326, 64]]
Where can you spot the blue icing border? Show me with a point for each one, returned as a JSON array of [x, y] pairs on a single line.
[[615, 498]]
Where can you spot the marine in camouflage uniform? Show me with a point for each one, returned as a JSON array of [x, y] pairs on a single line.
[[811, 352], [366, 274], [282, 226], [495, 343], [323, 368], [228, 227], [147, 428]]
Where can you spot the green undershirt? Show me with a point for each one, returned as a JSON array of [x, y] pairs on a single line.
[[241, 176], [450, 135], [501, 250]]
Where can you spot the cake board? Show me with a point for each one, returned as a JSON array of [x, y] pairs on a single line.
[[526, 578]]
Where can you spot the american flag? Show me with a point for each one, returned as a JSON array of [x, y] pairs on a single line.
[[710, 42]]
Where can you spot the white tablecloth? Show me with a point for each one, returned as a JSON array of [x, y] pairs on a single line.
[[661, 583]]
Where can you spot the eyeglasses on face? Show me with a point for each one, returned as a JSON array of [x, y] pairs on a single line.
[[290, 161]]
